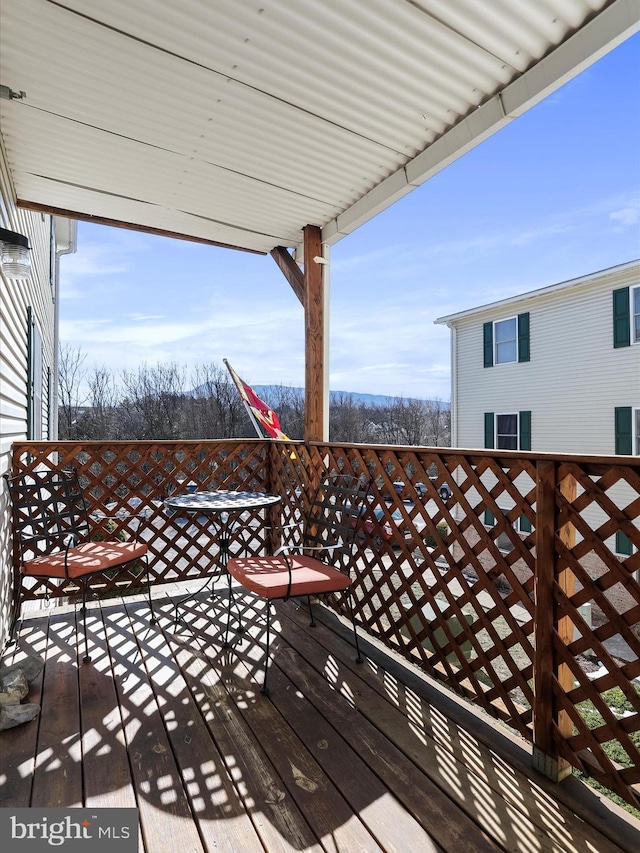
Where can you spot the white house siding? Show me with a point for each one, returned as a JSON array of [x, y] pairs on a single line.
[[575, 377], [572, 384], [15, 298]]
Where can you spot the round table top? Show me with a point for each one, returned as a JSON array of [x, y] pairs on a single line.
[[221, 500]]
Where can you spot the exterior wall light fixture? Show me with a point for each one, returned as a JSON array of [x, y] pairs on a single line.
[[14, 254]]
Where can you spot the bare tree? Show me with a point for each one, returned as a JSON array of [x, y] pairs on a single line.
[[154, 399], [439, 418], [288, 402], [412, 422], [153, 404], [214, 408], [104, 399], [346, 418], [390, 423], [71, 392], [412, 418]]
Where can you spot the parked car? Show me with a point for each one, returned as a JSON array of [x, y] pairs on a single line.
[[444, 491], [398, 487], [421, 489], [376, 526]]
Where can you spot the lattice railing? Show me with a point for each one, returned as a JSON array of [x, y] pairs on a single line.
[[510, 590], [128, 482]]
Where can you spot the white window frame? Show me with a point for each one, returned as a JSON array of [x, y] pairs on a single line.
[[495, 429], [635, 427], [634, 313], [521, 530], [624, 553], [496, 323]]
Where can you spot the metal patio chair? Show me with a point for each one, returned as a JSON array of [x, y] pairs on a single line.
[[52, 529], [320, 563]]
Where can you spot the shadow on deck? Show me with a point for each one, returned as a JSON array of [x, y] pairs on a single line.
[[339, 757]]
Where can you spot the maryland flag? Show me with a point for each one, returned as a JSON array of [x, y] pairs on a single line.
[[258, 410]]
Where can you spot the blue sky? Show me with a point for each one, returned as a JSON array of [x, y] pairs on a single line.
[[553, 196]]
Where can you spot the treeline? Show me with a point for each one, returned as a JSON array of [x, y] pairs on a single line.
[[167, 402]]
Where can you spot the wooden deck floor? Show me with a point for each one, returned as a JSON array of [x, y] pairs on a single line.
[[338, 757]]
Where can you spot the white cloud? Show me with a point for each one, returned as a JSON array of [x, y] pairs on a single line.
[[141, 317], [94, 260], [627, 215]]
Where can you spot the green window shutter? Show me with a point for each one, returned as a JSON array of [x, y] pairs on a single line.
[[525, 524], [489, 432], [621, 318], [49, 406], [624, 430], [525, 430], [30, 374], [523, 337], [489, 518], [487, 337], [624, 545]]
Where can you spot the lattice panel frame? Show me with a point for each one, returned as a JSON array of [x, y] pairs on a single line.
[[462, 567], [495, 611], [112, 474], [395, 586], [582, 744]]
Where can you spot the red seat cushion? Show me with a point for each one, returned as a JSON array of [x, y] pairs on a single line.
[[85, 559], [269, 577]]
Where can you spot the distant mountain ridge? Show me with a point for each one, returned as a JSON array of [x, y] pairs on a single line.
[[266, 393], [371, 400]]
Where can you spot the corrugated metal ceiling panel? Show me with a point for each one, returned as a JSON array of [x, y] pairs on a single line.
[[254, 116]]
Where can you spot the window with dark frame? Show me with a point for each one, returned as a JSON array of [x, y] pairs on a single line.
[[507, 341], [511, 432], [507, 432]]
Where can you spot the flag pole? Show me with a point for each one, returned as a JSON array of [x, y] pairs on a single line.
[[237, 383]]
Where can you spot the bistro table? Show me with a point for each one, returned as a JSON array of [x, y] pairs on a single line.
[[223, 507]]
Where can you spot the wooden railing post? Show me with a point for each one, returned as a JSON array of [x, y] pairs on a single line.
[[549, 725], [273, 535]]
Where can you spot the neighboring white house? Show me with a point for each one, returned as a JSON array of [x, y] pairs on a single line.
[[552, 370], [555, 369], [28, 346]]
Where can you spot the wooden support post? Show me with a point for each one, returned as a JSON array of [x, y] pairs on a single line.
[[312, 289], [548, 725], [316, 415]]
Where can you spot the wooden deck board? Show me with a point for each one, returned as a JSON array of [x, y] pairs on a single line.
[[59, 782], [18, 763], [339, 757], [319, 794], [165, 813], [505, 801], [215, 732]]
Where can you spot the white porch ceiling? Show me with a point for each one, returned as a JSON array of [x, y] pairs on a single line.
[[241, 121]]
